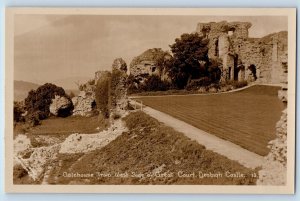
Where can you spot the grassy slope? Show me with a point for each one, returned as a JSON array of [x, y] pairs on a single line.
[[146, 146], [60, 128], [69, 125], [55, 128], [246, 118]]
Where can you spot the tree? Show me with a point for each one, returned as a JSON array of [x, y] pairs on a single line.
[[214, 70], [188, 52], [39, 100]]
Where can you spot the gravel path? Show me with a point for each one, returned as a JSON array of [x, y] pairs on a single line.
[[211, 142]]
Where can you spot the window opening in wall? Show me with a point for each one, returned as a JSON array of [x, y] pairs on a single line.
[[229, 73], [217, 47]]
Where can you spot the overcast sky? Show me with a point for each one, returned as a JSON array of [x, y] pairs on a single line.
[[55, 47]]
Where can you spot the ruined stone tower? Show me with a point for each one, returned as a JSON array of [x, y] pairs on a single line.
[[253, 59]]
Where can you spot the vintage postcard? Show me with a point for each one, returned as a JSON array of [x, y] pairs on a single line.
[[150, 100]]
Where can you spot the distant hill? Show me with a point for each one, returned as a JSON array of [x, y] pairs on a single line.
[[70, 83], [21, 89]]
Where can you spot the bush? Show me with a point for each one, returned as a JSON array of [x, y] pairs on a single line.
[[240, 84], [235, 84], [19, 172], [132, 85], [34, 118], [154, 83], [38, 101], [102, 94], [18, 111], [195, 84]]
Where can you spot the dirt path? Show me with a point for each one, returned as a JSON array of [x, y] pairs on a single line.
[[211, 142]]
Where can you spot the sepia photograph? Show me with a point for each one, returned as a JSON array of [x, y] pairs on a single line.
[[150, 100]]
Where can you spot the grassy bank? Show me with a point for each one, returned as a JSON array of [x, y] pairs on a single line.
[[56, 129], [149, 153]]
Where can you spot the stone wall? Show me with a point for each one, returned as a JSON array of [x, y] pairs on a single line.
[[150, 63], [244, 58], [84, 103], [118, 98], [215, 31], [274, 168]]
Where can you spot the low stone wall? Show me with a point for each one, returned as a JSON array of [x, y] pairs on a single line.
[[274, 168]]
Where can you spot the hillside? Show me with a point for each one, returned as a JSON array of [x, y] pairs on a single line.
[[70, 83], [21, 89]]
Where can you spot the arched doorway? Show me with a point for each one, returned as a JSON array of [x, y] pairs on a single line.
[[252, 69]]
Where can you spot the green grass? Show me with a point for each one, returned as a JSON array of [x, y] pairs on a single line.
[[146, 146], [58, 128], [68, 125], [246, 117]]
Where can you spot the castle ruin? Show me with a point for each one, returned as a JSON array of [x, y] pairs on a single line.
[[263, 60]]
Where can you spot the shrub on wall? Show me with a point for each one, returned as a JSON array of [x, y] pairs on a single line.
[[116, 77], [102, 95]]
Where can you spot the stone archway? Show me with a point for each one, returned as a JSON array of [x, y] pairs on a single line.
[[253, 74]]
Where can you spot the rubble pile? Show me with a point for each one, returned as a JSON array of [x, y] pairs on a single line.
[[81, 143]]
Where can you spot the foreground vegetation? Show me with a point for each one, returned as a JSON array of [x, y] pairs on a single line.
[[60, 128], [149, 147], [246, 117]]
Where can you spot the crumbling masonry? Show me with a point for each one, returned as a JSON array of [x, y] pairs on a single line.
[[263, 60]]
